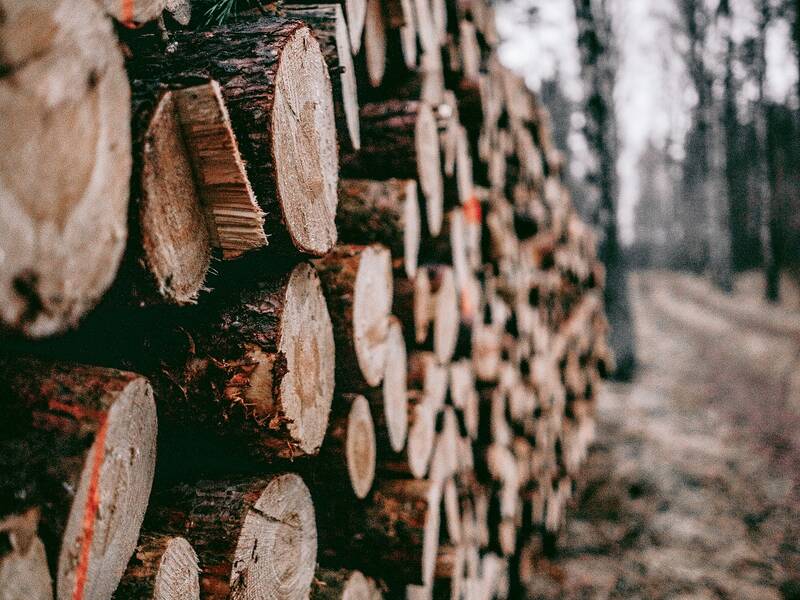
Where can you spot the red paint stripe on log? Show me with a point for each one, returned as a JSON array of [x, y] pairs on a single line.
[[127, 13], [472, 210], [90, 513]]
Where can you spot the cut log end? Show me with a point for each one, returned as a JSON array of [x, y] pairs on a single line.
[[375, 42], [360, 447], [111, 497], [347, 78], [421, 438], [24, 574], [307, 343], [276, 551], [305, 153], [412, 230], [65, 162], [175, 238], [446, 318], [429, 167], [395, 391], [134, 13], [372, 304], [342, 585], [163, 567]]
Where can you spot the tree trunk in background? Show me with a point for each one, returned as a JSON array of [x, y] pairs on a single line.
[[598, 70]]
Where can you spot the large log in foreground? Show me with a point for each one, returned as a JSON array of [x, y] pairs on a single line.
[[77, 447], [65, 160], [281, 108]]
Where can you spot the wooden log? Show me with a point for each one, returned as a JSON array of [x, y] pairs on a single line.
[[375, 43], [415, 459], [392, 406], [255, 538], [464, 395], [329, 26], [341, 584], [65, 163], [358, 288], [355, 13], [134, 13], [281, 109], [192, 194], [445, 313], [78, 449], [350, 443], [428, 376], [162, 567], [402, 31], [257, 373], [386, 212], [396, 534], [412, 305], [399, 138], [24, 574]]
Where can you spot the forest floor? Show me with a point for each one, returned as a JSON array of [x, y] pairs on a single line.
[[693, 487]]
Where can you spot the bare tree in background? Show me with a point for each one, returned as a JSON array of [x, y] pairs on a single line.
[[598, 70]]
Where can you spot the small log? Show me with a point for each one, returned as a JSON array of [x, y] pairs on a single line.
[[415, 459], [358, 288], [351, 442], [133, 13], [329, 26], [385, 212], [428, 376], [257, 373], [402, 32], [445, 312], [412, 305], [392, 403], [65, 163], [78, 449], [254, 537], [162, 567], [399, 138], [24, 574], [280, 102], [342, 584], [375, 42]]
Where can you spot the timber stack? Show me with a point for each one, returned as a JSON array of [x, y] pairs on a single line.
[[293, 303]]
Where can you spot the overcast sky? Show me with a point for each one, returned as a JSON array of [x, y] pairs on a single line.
[[653, 95]]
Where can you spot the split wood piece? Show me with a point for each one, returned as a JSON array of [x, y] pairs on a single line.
[[24, 574], [395, 534], [351, 442], [342, 584], [385, 212], [65, 164], [78, 448], [415, 459], [259, 373], [375, 43], [132, 13], [163, 567], [402, 30], [399, 138], [358, 288], [413, 304], [330, 28], [392, 403], [355, 13], [281, 109], [254, 538], [428, 376]]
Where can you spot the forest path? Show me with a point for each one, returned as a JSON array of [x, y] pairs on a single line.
[[693, 489]]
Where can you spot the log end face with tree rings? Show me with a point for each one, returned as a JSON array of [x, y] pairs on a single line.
[[446, 318], [421, 438], [429, 167], [175, 237], [372, 304], [360, 447], [276, 551], [412, 228], [111, 497], [307, 343], [24, 572], [375, 42], [304, 145], [65, 163], [178, 571], [133, 13], [395, 386]]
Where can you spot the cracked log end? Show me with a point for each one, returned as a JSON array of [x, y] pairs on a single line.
[[65, 160]]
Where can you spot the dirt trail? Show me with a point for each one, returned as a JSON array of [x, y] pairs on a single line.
[[693, 490]]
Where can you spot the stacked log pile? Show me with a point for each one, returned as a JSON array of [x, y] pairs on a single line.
[[350, 329]]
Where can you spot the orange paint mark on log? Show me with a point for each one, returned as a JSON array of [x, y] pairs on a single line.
[[127, 13], [472, 210], [90, 514], [467, 310]]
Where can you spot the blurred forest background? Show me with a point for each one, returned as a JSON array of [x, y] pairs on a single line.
[[680, 121]]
